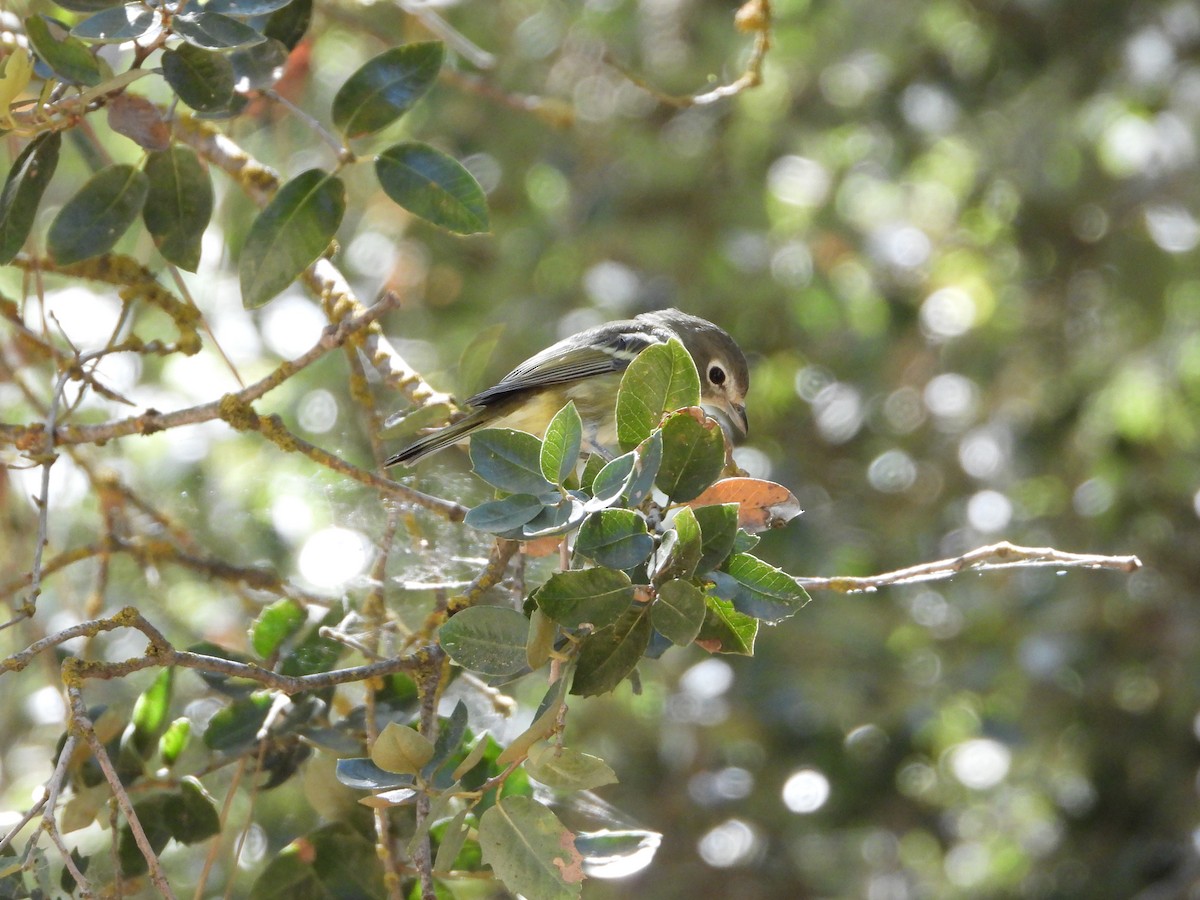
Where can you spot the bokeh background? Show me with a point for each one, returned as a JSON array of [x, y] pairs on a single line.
[[958, 241]]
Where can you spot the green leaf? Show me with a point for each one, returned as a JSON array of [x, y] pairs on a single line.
[[611, 482], [616, 538], [679, 611], [69, 57], [434, 186], [486, 639], [530, 850], [235, 726], [662, 378], [333, 861], [597, 596], [150, 711], [289, 24], [202, 80], [760, 590], [645, 470], [92, 221], [290, 234], [213, 31], [509, 460], [316, 653], [449, 740], [610, 654], [693, 456], [564, 769], [274, 625], [85, 6], [561, 445], [454, 835], [244, 8], [117, 24], [154, 813], [178, 206], [23, 189], [363, 775], [174, 740], [502, 516], [684, 547], [401, 749], [386, 87], [725, 630], [195, 817], [542, 634], [718, 528], [555, 518]]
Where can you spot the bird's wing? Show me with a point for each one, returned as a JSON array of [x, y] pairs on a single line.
[[598, 352]]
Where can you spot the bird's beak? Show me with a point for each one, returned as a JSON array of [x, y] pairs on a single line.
[[737, 414], [732, 417]]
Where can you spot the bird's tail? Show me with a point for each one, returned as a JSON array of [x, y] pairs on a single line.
[[439, 440]]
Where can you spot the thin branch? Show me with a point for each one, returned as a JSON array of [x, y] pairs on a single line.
[[982, 559], [755, 17], [82, 725]]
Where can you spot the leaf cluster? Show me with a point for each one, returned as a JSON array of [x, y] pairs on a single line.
[[214, 60]]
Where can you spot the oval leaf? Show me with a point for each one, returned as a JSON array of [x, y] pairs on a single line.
[[150, 711], [561, 445], [693, 456], [23, 189], [274, 625], [486, 639], [725, 630], [401, 750], [610, 654], [202, 80], [385, 87], [292, 231], [681, 549], [678, 612], [92, 221], [760, 590], [434, 186], [244, 8], [139, 120], [595, 596], [363, 775], [69, 57], [118, 24], [213, 31], [662, 378], [611, 481], [554, 519], [718, 530], [509, 460], [616, 538], [178, 205], [502, 516], [761, 504], [564, 769], [530, 850]]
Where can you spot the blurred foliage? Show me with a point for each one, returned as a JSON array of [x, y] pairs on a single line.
[[959, 241]]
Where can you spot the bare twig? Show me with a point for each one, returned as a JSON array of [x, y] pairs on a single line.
[[82, 725], [754, 16], [982, 559]]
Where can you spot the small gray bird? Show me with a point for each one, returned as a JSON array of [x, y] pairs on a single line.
[[586, 367]]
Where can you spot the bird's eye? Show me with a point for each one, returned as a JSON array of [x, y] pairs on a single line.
[[716, 375]]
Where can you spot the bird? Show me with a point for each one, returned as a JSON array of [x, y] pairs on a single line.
[[586, 368]]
